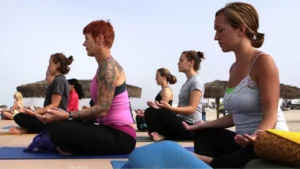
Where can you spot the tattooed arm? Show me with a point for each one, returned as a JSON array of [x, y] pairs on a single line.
[[107, 76]]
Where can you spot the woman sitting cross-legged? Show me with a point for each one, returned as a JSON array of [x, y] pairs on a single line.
[[252, 95], [114, 133], [163, 78], [163, 120], [56, 96], [18, 105]]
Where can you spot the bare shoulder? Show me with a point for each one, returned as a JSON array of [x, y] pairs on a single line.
[[265, 61], [166, 90], [110, 67], [265, 66]]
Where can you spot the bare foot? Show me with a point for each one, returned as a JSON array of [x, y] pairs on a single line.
[[157, 137], [196, 155], [62, 152], [17, 130]]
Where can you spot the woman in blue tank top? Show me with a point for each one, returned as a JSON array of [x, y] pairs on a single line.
[[251, 98]]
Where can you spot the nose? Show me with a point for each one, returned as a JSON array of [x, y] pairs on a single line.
[[216, 36]]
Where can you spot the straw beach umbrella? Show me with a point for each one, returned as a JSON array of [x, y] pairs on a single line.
[[38, 89], [216, 89]]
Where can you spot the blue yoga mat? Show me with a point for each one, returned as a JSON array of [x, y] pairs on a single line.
[[13, 153], [124, 164], [119, 164], [7, 127]]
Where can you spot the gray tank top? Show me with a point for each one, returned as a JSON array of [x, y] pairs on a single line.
[[244, 103]]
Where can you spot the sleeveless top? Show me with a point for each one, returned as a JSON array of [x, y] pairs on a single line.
[[243, 102], [158, 98], [119, 114]]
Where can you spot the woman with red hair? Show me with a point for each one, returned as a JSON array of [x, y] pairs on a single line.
[[114, 133]]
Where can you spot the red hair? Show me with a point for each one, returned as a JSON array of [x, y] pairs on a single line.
[[101, 27]]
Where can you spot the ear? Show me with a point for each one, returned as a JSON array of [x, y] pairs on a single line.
[[99, 40], [57, 64], [242, 30], [192, 62]]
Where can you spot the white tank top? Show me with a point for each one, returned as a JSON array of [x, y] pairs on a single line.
[[244, 103]]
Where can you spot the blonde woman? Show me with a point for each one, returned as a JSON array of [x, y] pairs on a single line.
[[18, 104]]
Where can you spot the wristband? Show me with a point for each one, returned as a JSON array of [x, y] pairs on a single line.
[[70, 116]]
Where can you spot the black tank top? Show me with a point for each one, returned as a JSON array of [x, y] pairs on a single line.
[[158, 98]]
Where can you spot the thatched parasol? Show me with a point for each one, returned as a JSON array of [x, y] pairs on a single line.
[[38, 89], [216, 89]]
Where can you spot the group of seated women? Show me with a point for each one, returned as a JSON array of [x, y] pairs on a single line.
[[251, 98]]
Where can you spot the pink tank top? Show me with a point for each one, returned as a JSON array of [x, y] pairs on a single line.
[[119, 113]]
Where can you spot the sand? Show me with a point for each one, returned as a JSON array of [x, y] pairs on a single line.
[[292, 117]]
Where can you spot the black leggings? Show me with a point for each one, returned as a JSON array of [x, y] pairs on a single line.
[[86, 138], [221, 146], [167, 124], [31, 123]]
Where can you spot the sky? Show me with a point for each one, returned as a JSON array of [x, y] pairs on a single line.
[[149, 34]]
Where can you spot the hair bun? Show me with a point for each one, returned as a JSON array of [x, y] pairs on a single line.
[[70, 60], [172, 79], [200, 55], [258, 40]]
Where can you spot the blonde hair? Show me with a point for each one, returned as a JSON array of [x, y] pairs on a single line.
[[19, 97]]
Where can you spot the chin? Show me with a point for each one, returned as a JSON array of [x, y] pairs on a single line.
[[225, 50], [90, 54]]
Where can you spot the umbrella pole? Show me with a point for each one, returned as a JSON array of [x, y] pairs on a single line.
[[218, 106]]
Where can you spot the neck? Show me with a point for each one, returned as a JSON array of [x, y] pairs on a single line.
[[57, 74], [100, 57], [164, 84], [243, 53], [71, 90], [190, 74]]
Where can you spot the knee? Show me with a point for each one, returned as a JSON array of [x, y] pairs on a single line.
[[202, 134], [18, 118], [53, 127], [149, 112]]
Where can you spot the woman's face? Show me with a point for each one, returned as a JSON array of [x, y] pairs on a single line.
[[92, 46], [52, 67], [15, 98], [183, 64], [159, 79], [227, 37]]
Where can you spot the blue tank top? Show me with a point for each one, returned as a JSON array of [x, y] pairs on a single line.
[[244, 103]]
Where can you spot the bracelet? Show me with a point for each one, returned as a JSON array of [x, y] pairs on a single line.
[[70, 116]]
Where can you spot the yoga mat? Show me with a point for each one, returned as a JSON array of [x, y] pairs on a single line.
[[123, 164], [13, 153], [119, 164], [7, 127], [148, 139]]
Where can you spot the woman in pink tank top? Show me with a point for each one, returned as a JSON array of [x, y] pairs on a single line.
[[113, 133]]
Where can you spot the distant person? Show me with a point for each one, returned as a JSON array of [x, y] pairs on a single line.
[[163, 78], [251, 97], [168, 119], [76, 94], [203, 111], [114, 134], [57, 95], [18, 105]]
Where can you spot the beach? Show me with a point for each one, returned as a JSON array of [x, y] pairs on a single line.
[[7, 140]]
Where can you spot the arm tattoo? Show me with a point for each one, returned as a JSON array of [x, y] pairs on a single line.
[[107, 76]]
